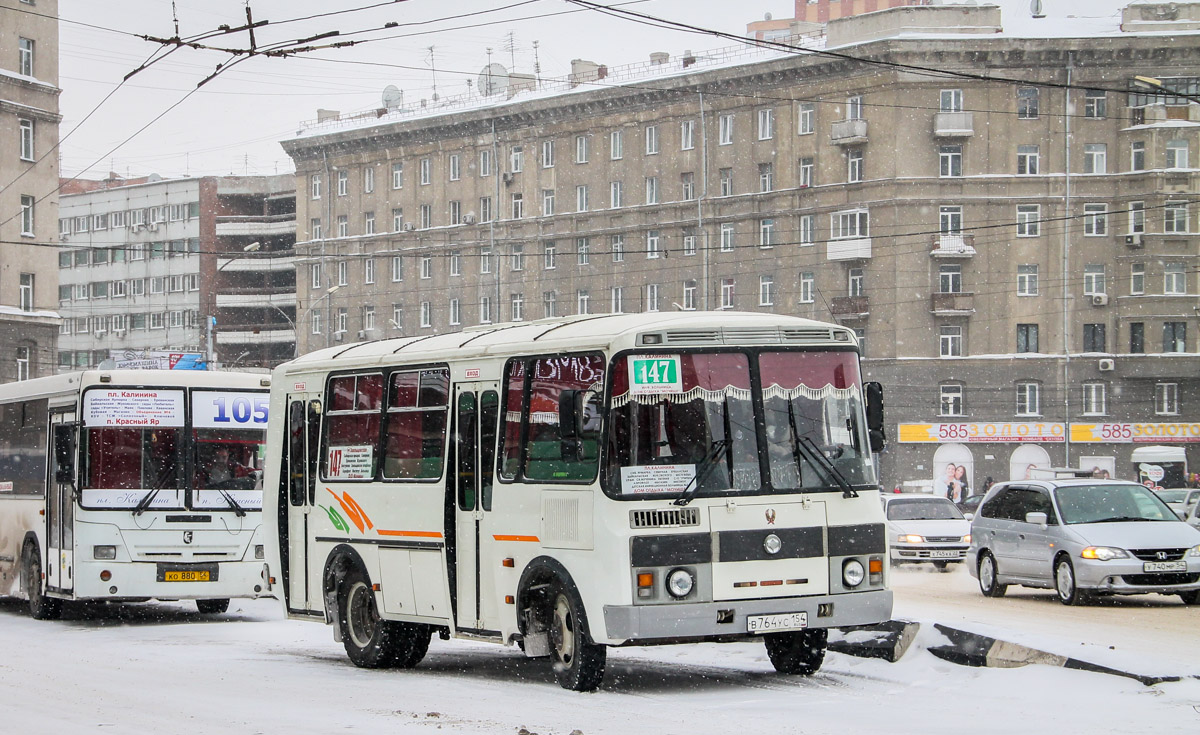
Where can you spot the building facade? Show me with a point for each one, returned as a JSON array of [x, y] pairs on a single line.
[[29, 121], [198, 265], [1018, 256]]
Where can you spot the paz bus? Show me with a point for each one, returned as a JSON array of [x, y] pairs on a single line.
[[128, 485], [576, 483]]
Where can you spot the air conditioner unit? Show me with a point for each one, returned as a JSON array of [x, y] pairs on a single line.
[[1134, 241], [63, 237], [1099, 299], [469, 219], [362, 334], [1107, 366], [409, 227], [136, 226], [507, 177], [153, 227], [338, 336]]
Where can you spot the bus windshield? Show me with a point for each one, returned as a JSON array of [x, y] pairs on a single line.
[[685, 424]]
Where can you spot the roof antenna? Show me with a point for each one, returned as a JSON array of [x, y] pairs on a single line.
[[510, 45], [433, 69], [175, 17], [537, 65]]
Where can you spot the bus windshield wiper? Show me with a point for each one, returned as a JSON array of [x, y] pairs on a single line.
[[237, 509], [715, 450], [144, 503], [803, 446]]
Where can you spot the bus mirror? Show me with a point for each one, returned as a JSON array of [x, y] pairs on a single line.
[[875, 429], [64, 454], [570, 414]]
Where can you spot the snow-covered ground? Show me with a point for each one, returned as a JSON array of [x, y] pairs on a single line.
[[163, 668]]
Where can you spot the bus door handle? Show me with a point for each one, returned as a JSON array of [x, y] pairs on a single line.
[[477, 514]]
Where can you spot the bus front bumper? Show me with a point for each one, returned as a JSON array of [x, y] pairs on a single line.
[[728, 619], [141, 580]]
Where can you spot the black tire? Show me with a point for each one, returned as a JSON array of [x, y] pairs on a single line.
[[987, 576], [1064, 583], [41, 607], [942, 566], [212, 607], [578, 663], [797, 652], [370, 641], [1190, 598]]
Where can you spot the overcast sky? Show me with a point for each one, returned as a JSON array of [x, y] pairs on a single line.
[[232, 124]]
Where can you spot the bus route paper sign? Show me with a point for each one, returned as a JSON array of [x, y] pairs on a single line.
[[650, 374], [351, 463], [658, 478], [132, 407]]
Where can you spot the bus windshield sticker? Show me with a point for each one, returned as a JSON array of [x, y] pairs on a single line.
[[229, 409], [658, 478], [351, 463], [655, 374], [132, 407]]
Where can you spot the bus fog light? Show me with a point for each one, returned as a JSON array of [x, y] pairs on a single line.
[[105, 575], [772, 544], [680, 583], [259, 552], [853, 573], [112, 590], [104, 552]]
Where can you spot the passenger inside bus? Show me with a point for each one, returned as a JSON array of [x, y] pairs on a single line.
[[222, 470]]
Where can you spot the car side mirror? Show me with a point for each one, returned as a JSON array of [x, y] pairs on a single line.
[[969, 516], [1037, 519], [875, 430], [570, 414]]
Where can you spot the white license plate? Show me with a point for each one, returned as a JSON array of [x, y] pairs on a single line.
[[945, 554], [773, 623], [1165, 566]]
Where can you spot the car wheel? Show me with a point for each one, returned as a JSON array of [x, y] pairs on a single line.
[[942, 566], [987, 577], [212, 607], [41, 607], [370, 641], [578, 663], [1065, 584], [1190, 598], [797, 652]]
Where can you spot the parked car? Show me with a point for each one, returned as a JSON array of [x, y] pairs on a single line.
[[1083, 537], [926, 528], [1180, 499], [1194, 519], [970, 504]]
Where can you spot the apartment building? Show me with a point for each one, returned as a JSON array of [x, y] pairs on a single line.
[[29, 121], [1015, 243], [195, 265]]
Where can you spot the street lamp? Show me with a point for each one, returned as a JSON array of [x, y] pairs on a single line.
[[306, 312]]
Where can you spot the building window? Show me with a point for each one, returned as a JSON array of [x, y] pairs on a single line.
[[426, 267], [766, 233], [807, 287], [343, 226], [1093, 279], [485, 209], [455, 312], [397, 268], [849, 224], [806, 172], [27, 206], [1027, 280], [368, 318], [454, 164], [689, 241], [343, 319], [1029, 399], [652, 297], [369, 271], [687, 135], [547, 202], [583, 251], [581, 198], [1137, 217], [1095, 338], [517, 257], [1094, 399], [1137, 338], [854, 165], [1174, 336], [854, 108], [397, 176], [1095, 219], [726, 177], [616, 145], [617, 246], [766, 124], [1174, 279], [425, 171], [1175, 218], [1027, 338], [397, 322], [617, 300], [950, 401], [806, 114], [1029, 219], [397, 219], [651, 140], [1166, 399], [651, 190], [615, 194], [369, 223], [343, 183], [1028, 160], [485, 162], [26, 127], [951, 100], [455, 262], [950, 341], [855, 282], [582, 302], [687, 182], [950, 278], [727, 293], [368, 180], [547, 154], [455, 212], [1137, 279], [1027, 103], [808, 229], [549, 304], [581, 149], [1137, 156], [426, 215], [766, 291], [343, 271], [549, 254], [950, 160], [518, 205], [727, 237], [950, 219], [485, 260], [516, 159], [426, 314], [1177, 154], [689, 295], [1095, 158], [725, 130], [652, 244], [765, 177], [1095, 104], [25, 48], [26, 292]]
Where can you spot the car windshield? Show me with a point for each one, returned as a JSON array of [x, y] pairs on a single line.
[[1111, 504], [923, 509]]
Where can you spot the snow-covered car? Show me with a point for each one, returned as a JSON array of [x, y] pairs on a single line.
[[926, 528], [1180, 499], [1083, 538]]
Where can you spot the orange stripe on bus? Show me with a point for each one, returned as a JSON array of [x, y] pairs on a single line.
[[535, 539], [426, 534]]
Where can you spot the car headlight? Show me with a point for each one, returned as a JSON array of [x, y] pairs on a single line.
[[1103, 553], [1195, 550], [104, 552], [911, 538], [967, 539], [853, 573], [680, 583]]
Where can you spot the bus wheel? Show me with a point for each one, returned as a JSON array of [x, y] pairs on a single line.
[[797, 652], [40, 606], [370, 641], [411, 642], [212, 607], [578, 663]]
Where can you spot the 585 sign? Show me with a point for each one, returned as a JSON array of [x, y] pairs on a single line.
[[229, 409], [1014, 431]]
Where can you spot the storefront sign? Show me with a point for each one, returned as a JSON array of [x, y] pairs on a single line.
[[981, 433], [157, 360], [131, 407], [1134, 433]]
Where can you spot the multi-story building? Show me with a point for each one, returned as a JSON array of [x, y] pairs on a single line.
[[1006, 221], [812, 14], [29, 121], [185, 265]]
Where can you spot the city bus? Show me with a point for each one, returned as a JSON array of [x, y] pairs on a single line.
[[130, 485], [572, 484]]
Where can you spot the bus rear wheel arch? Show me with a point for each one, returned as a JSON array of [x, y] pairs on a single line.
[[41, 607], [370, 641], [552, 608]]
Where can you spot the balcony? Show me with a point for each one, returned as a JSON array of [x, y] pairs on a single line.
[[255, 298], [242, 334], [849, 132], [952, 304], [850, 307], [957, 245], [857, 248], [256, 226], [953, 125], [258, 263]]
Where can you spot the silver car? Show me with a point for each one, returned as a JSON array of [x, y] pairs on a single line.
[[1180, 499], [925, 528], [1083, 538]]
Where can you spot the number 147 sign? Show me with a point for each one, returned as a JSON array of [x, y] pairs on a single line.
[[655, 374]]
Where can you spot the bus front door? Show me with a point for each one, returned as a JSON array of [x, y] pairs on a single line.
[[303, 423], [476, 412], [60, 503]]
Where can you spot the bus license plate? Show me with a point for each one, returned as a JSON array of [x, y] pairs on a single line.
[[944, 554], [188, 576], [773, 623], [1165, 566]]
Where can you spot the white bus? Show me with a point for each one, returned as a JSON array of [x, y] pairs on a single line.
[[583, 482], [123, 485]]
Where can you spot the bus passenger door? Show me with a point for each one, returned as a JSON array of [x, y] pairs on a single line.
[[303, 421], [476, 406], [60, 503]]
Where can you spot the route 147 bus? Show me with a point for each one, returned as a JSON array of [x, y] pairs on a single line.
[[121, 485], [578, 483]]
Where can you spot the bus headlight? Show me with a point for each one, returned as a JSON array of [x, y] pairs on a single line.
[[259, 552], [104, 552], [680, 582], [853, 573]]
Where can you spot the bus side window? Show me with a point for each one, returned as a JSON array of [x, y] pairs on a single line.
[[296, 453], [550, 453], [489, 408], [510, 450]]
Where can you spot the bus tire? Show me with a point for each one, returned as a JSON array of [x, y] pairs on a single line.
[[41, 607], [578, 662], [411, 643], [212, 607], [797, 652], [370, 641]]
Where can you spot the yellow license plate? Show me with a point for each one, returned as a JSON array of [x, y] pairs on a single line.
[[199, 576]]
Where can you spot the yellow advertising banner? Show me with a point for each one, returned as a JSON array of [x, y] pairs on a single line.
[[1134, 433], [982, 432]]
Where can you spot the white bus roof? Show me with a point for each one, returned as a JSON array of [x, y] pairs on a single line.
[[679, 329], [71, 382], [1159, 454]]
